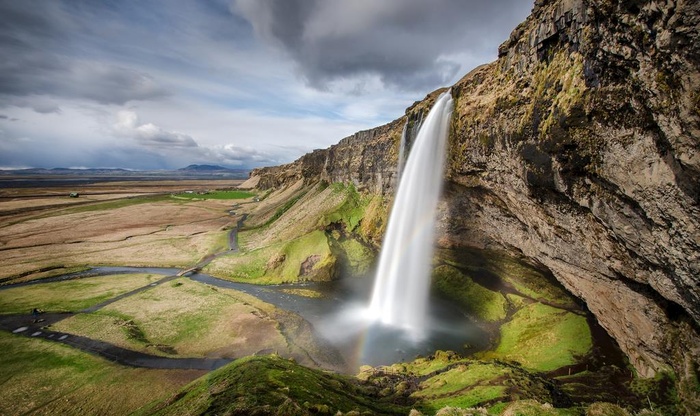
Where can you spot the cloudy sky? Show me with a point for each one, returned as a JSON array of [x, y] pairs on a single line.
[[161, 84]]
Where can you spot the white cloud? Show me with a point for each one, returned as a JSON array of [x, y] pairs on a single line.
[[162, 85], [149, 134]]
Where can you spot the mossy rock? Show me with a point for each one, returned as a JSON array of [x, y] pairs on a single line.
[[271, 385], [544, 338], [606, 409], [479, 301]]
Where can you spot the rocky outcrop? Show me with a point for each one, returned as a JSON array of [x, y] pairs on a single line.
[[579, 148], [366, 159]]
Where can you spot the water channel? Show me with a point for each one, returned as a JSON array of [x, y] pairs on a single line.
[[335, 314]]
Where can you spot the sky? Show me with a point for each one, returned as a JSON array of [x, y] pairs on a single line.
[[161, 84]]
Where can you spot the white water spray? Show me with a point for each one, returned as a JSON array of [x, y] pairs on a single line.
[[400, 296]]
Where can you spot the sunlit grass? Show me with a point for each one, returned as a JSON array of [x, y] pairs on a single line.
[[254, 385], [277, 263], [234, 194], [43, 377], [181, 317], [460, 377], [71, 295], [543, 338]]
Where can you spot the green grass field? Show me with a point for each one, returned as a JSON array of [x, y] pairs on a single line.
[[71, 295], [216, 195], [46, 378], [182, 318], [273, 385]]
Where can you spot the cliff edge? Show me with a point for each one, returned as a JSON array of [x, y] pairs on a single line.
[[579, 149]]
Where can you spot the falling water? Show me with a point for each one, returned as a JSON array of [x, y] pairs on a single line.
[[405, 144], [400, 294]]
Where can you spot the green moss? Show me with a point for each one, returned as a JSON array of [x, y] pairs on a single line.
[[296, 252], [544, 338], [470, 398], [477, 300], [459, 377], [279, 262], [425, 365], [351, 211], [517, 301], [659, 392], [515, 274], [267, 385], [359, 257], [557, 87]]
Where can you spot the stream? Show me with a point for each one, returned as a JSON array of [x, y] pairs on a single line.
[[335, 311]]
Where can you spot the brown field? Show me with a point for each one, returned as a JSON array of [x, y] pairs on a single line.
[[43, 232], [118, 223]]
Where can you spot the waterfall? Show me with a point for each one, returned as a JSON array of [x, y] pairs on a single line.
[[400, 294], [405, 144]]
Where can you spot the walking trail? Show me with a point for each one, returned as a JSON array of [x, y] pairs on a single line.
[[37, 326]]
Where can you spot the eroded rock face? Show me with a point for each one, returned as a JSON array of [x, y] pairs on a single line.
[[579, 148], [366, 159]]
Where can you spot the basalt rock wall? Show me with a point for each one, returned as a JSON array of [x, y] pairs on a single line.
[[579, 148]]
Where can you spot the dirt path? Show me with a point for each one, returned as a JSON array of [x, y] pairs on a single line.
[[32, 326], [24, 325]]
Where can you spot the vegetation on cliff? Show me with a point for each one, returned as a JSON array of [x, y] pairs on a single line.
[[577, 152], [302, 233]]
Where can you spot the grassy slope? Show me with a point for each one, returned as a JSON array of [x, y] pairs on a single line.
[[326, 224], [270, 385], [544, 338], [48, 378]]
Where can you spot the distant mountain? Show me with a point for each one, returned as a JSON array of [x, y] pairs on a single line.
[[206, 168], [191, 171]]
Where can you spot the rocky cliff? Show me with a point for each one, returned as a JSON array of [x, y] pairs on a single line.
[[579, 148]]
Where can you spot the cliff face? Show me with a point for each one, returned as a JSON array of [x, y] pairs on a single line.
[[579, 148], [367, 159]]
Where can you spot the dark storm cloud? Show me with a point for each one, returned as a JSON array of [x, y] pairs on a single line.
[[410, 44], [40, 55]]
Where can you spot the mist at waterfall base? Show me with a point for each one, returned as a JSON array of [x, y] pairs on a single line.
[[401, 321]]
